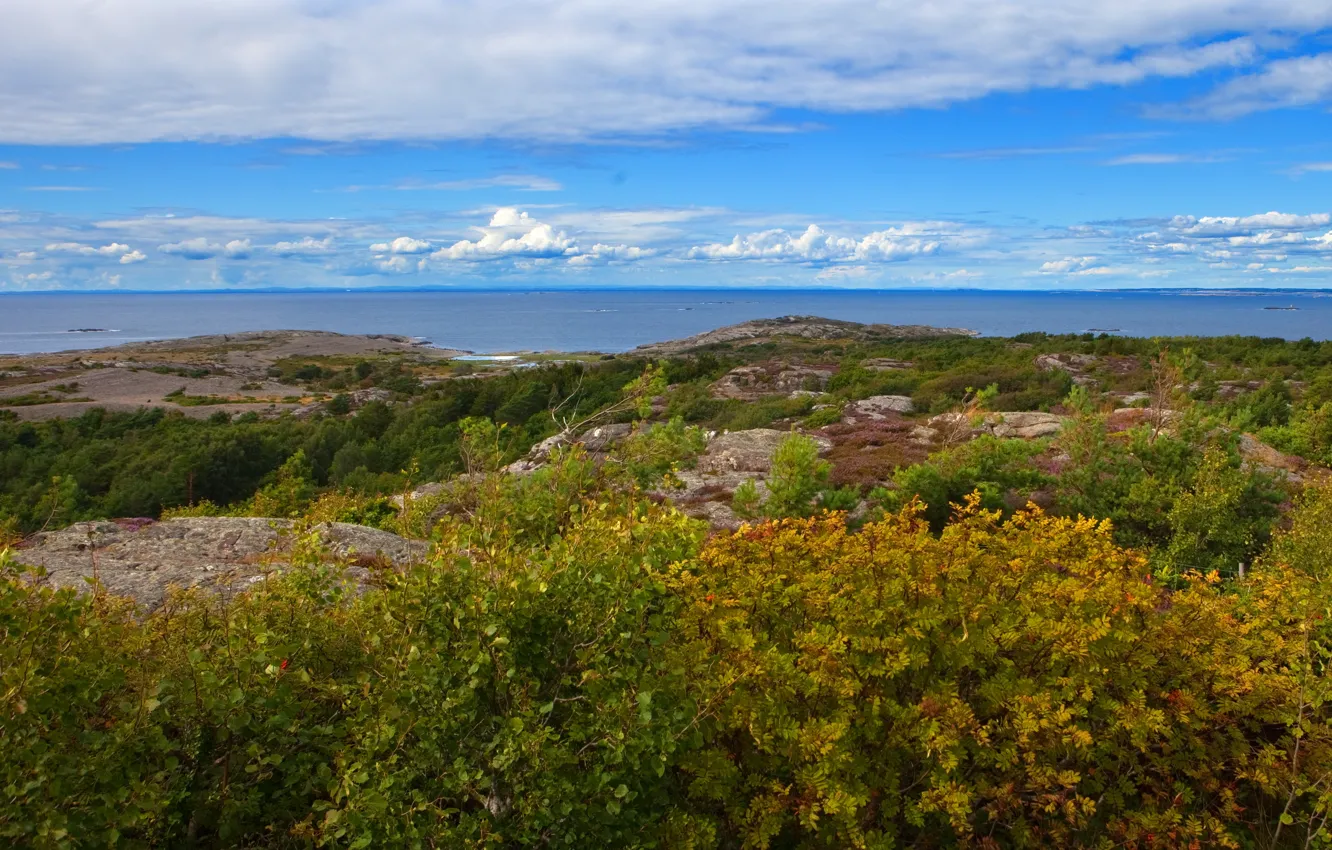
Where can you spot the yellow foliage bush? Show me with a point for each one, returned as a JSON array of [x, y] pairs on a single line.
[[1019, 684]]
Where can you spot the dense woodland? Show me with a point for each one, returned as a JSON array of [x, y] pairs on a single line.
[[1114, 636]]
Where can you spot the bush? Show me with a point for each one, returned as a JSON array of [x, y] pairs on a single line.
[[830, 415], [661, 448], [989, 466], [1004, 685]]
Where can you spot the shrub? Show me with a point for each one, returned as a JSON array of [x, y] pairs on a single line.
[[830, 415], [661, 448], [1004, 685], [988, 466]]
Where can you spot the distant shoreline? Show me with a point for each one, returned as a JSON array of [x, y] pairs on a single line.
[[611, 320], [1322, 292]]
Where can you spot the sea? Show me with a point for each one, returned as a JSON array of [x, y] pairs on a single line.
[[617, 320]]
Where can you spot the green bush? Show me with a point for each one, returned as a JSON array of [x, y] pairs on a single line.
[[989, 466], [659, 449]]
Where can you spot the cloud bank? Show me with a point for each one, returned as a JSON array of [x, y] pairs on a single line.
[[566, 247], [139, 70]]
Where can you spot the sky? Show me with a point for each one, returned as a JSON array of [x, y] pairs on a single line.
[[1007, 144]]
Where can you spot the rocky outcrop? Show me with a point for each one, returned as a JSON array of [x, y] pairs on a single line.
[[595, 441], [751, 383], [746, 451], [878, 407], [1263, 457], [1023, 425], [1026, 425], [731, 459], [142, 558], [1076, 365], [806, 327]]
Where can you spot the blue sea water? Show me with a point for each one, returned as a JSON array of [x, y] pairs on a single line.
[[617, 320]]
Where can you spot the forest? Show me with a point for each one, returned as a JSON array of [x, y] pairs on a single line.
[[1047, 591]]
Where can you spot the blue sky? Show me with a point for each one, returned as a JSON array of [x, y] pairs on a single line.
[[149, 145]]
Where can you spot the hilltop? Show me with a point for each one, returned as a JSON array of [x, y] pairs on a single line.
[[760, 331]]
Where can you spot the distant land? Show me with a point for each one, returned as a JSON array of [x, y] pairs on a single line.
[[619, 320]]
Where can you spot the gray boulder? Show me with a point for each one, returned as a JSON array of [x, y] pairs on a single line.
[[877, 406], [747, 451], [142, 558], [1024, 425], [750, 383]]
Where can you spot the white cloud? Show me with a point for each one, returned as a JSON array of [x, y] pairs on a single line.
[[308, 246], [200, 248], [1074, 265], [511, 233], [75, 72], [398, 264], [8, 166], [600, 253], [126, 254], [401, 245], [1163, 159], [634, 226], [1298, 81], [816, 245], [114, 249], [1311, 168], [1246, 225], [1266, 238]]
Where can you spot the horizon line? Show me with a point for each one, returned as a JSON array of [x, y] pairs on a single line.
[[279, 290]]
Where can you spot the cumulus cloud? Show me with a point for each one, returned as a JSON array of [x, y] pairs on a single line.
[[600, 253], [126, 254], [308, 246], [815, 245], [200, 248], [114, 249], [1246, 225], [1233, 242], [511, 233], [401, 245], [1074, 266], [538, 69]]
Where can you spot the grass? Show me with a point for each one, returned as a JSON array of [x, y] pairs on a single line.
[[41, 397]]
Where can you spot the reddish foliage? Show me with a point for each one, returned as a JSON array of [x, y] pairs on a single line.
[[869, 452]]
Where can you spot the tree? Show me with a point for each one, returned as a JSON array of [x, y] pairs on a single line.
[[797, 478]]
